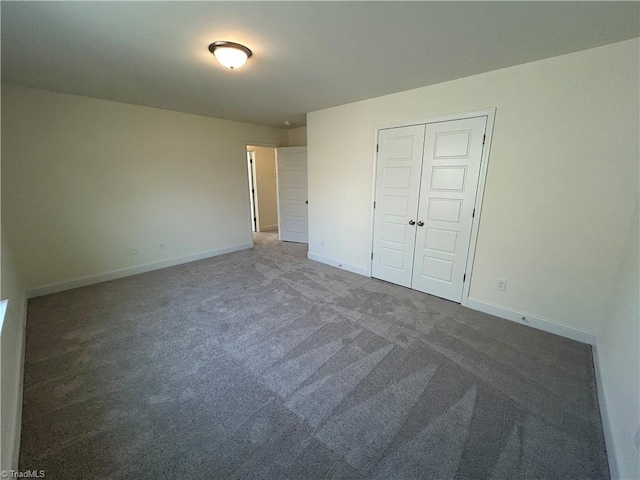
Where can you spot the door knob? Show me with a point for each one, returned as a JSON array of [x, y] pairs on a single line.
[[420, 223], [411, 222]]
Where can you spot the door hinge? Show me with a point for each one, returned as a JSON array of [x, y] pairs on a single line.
[[371, 255], [251, 160], [473, 215], [464, 278], [374, 204], [484, 137], [253, 190], [377, 147]]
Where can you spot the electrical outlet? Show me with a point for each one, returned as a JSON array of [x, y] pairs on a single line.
[[501, 284], [163, 246], [134, 250], [637, 439]]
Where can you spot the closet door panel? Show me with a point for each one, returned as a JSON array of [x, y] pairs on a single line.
[[449, 183], [398, 175]]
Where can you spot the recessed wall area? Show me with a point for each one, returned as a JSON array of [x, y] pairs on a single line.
[[297, 137]]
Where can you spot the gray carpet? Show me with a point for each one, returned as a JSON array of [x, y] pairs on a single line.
[[262, 364]]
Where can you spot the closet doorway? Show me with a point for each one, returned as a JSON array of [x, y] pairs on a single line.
[[263, 193], [428, 194]]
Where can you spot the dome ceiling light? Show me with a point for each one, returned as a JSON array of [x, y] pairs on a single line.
[[230, 54]]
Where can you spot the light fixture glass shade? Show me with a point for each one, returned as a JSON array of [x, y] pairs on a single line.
[[231, 55]]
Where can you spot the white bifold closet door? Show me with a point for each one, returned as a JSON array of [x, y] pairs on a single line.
[[434, 243]]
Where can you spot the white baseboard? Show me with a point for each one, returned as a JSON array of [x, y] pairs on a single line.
[[269, 228], [127, 272], [532, 321], [614, 471], [334, 263]]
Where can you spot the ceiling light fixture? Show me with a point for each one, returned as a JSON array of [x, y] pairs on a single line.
[[231, 55]]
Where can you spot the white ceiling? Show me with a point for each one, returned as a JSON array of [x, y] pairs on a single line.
[[307, 55]]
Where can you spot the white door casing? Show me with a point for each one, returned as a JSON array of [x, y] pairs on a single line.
[[252, 190], [397, 192], [291, 175], [450, 174]]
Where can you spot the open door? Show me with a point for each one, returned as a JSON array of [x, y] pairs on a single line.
[[293, 224]]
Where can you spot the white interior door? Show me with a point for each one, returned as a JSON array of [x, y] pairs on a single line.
[[397, 191], [450, 173], [291, 168]]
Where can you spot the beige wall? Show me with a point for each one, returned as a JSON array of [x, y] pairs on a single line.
[[562, 178], [298, 137], [85, 180], [266, 189]]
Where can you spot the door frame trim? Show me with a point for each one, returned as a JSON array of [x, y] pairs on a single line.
[[490, 113], [253, 193], [248, 144]]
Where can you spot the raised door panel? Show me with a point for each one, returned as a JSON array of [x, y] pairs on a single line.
[[397, 188]]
